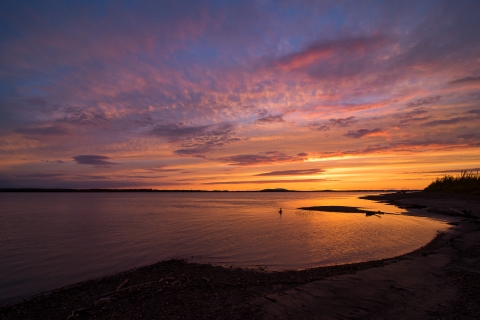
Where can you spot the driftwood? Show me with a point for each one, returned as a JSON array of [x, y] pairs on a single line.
[[271, 299], [122, 284], [75, 313], [457, 211]]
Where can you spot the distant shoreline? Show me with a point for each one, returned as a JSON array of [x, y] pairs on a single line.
[[182, 190]]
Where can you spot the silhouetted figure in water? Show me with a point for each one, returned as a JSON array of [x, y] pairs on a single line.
[[280, 211]]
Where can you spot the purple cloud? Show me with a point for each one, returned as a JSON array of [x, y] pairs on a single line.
[[265, 158], [340, 122], [93, 160], [424, 101], [270, 119], [175, 131], [363, 133], [162, 168], [466, 80], [81, 116], [468, 136], [476, 112], [413, 116], [447, 121]]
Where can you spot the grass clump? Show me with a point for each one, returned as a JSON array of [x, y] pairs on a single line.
[[466, 182]]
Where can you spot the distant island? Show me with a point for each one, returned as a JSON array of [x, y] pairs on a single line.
[[276, 190]]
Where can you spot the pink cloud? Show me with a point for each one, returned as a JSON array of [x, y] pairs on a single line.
[[330, 50]]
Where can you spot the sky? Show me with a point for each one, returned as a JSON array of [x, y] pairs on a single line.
[[238, 95]]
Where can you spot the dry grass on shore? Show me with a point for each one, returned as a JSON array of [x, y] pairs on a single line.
[[466, 182]]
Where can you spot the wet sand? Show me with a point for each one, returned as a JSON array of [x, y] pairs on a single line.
[[438, 281]]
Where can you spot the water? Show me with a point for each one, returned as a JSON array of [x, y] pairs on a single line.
[[49, 240]]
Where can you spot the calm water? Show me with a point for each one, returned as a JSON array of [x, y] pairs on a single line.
[[48, 240]]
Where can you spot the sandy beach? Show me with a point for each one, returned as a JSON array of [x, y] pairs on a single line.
[[439, 281]]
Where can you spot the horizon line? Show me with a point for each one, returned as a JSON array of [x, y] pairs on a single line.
[[189, 190]]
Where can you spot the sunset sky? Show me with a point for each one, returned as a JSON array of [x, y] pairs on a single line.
[[238, 95]]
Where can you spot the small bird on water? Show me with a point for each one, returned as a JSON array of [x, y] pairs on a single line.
[[280, 211]]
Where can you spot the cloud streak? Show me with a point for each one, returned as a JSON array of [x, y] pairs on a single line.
[[269, 157], [466, 80], [301, 172], [451, 121], [341, 122], [95, 160], [362, 133], [270, 119]]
